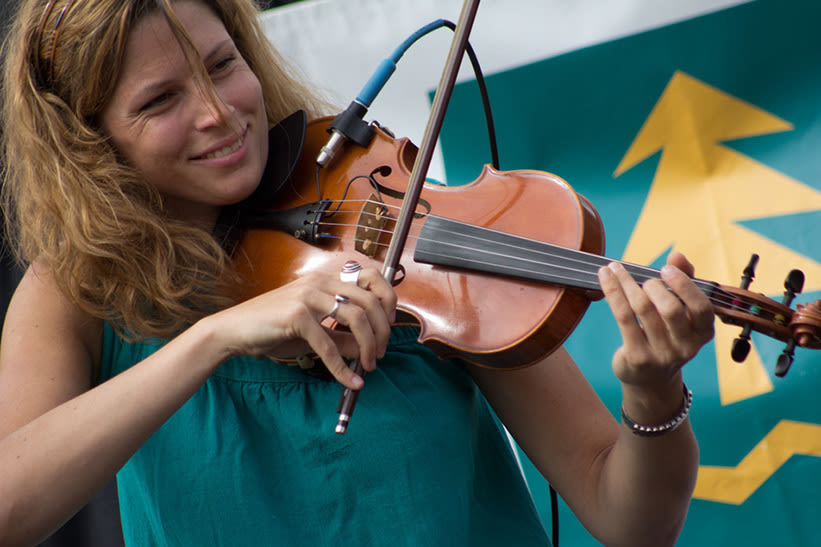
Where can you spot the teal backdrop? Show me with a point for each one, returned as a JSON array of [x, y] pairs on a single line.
[[745, 85]]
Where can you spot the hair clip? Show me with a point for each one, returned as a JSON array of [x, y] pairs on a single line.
[[39, 36]]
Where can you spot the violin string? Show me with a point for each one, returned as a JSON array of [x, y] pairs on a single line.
[[719, 297], [591, 261], [640, 273]]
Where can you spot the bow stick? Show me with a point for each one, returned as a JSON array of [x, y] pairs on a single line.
[[418, 174]]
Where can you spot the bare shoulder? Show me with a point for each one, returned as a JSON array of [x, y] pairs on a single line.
[[49, 350]]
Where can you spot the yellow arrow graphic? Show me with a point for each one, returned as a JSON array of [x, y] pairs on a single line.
[[735, 484], [702, 191]]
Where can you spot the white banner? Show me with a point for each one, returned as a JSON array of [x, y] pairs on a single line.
[[338, 44]]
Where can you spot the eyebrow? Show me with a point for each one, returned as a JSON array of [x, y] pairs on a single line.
[[216, 49]]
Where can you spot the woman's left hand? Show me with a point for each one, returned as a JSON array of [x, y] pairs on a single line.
[[663, 323]]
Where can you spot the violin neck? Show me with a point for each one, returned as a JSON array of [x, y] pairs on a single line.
[[447, 242]]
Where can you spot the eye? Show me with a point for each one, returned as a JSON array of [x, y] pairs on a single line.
[[223, 64], [156, 102]]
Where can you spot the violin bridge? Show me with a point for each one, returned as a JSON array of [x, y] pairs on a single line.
[[372, 219]]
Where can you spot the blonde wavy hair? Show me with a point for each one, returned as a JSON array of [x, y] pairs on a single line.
[[72, 204]]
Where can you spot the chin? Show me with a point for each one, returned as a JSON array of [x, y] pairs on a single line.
[[243, 189]]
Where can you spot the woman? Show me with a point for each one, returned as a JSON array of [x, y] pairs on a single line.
[[124, 351]]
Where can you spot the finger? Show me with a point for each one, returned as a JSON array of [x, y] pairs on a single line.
[[376, 296], [655, 309], [620, 307], [680, 261], [328, 351], [648, 350], [678, 324], [669, 324], [378, 319], [366, 322], [364, 332], [372, 281], [665, 318], [699, 309]]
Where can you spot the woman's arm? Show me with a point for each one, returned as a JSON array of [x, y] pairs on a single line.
[[626, 489], [60, 441]]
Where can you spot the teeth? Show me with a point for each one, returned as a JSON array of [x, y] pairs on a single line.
[[225, 151]]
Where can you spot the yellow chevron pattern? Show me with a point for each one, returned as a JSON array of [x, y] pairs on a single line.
[[733, 485]]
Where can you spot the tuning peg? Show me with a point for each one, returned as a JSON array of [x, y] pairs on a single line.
[[794, 285], [741, 345], [749, 272], [785, 359]]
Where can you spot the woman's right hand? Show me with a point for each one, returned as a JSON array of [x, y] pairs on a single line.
[[293, 320]]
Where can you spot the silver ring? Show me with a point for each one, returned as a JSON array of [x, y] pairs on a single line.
[[338, 299], [350, 272]]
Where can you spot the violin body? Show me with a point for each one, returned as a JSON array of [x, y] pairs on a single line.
[[489, 319]]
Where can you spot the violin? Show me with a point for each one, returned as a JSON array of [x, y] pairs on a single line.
[[497, 272]]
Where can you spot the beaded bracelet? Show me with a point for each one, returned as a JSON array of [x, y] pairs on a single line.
[[666, 427]]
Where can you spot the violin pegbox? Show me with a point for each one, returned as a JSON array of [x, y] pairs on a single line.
[[755, 312]]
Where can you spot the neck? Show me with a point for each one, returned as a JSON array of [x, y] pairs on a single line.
[[452, 243]]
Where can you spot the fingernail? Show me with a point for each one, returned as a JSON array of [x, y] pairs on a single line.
[[605, 272], [357, 381], [669, 269]]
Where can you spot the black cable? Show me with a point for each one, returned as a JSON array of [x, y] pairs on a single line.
[[554, 515], [480, 82], [494, 153], [348, 120], [349, 124]]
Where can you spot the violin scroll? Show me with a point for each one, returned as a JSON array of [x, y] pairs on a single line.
[[806, 325]]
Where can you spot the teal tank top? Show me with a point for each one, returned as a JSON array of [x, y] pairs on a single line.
[[252, 460]]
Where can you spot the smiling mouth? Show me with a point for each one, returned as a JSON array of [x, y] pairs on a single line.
[[225, 150]]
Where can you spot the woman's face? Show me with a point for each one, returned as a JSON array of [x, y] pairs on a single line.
[[199, 159]]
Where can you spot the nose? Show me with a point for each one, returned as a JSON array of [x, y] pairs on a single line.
[[212, 111]]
